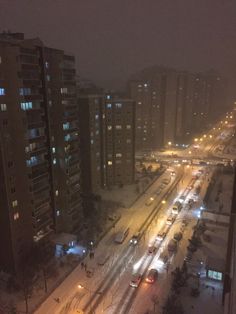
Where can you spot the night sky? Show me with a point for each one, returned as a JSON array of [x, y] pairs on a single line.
[[111, 39]]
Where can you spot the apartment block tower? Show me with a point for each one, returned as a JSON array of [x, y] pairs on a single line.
[[107, 140], [39, 147]]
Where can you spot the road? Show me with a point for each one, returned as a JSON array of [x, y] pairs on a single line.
[[108, 290]]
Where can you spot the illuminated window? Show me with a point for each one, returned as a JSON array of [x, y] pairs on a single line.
[[118, 155], [128, 126], [118, 127], [56, 192], [16, 216], [109, 162], [26, 105], [109, 106], [54, 161], [109, 127], [3, 107], [64, 90], [118, 105], [2, 91], [58, 213], [53, 149], [14, 203]]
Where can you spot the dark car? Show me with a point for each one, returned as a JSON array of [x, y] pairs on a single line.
[[151, 275]]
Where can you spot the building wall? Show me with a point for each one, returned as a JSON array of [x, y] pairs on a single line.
[[40, 188]]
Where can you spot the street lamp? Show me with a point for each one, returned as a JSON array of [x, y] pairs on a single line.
[[169, 143], [196, 139]]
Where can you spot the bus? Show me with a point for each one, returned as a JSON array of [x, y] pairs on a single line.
[[176, 208], [121, 235]]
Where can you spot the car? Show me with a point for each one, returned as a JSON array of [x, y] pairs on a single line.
[[151, 275], [172, 173], [152, 249], [178, 236], [135, 238], [135, 280], [170, 220], [182, 198]]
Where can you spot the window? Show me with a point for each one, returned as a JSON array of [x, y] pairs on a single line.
[[50, 103], [26, 105], [215, 275], [3, 107], [128, 141], [14, 203], [66, 126], [118, 155], [96, 116], [58, 213], [16, 216], [118, 127], [109, 163], [46, 64], [109, 106], [108, 96], [56, 192], [48, 78], [128, 126], [92, 141], [53, 149], [24, 91], [64, 90], [109, 127], [54, 161], [118, 105], [2, 91]]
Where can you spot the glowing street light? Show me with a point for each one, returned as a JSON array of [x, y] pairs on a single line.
[[189, 152], [163, 202], [196, 139], [169, 143]]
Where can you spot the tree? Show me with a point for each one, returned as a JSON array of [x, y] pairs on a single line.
[[173, 306]]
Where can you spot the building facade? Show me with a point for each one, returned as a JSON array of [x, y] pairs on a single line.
[[38, 121], [107, 140]]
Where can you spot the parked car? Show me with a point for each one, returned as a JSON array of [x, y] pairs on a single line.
[[178, 236], [135, 280]]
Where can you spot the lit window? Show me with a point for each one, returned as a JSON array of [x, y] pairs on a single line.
[[53, 149], [109, 162], [96, 116], [66, 126], [145, 85], [3, 107], [92, 141], [16, 216], [109, 127], [109, 106], [50, 103], [56, 192], [118, 155], [14, 203], [54, 161], [26, 105], [128, 126], [46, 65], [108, 96], [118, 127], [48, 78], [64, 90], [118, 105], [97, 132], [58, 213], [2, 91]]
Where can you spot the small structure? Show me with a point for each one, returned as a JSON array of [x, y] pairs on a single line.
[[215, 268], [63, 242]]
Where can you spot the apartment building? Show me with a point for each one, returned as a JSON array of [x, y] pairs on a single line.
[[107, 140], [39, 151]]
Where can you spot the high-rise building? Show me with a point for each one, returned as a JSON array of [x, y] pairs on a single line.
[[39, 149], [107, 140], [172, 105]]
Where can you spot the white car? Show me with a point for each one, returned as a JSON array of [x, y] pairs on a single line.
[[135, 280]]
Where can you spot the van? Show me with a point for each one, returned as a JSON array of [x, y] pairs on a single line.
[[120, 236]]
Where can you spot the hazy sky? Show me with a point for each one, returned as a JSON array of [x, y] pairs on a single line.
[[113, 38]]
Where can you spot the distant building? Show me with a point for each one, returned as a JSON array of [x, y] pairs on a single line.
[[172, 105], [39, 147]]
